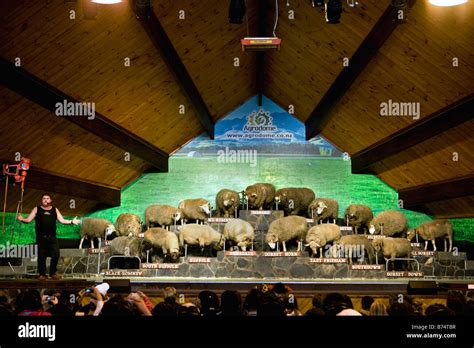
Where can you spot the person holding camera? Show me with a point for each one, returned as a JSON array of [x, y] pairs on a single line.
[[45, 216]]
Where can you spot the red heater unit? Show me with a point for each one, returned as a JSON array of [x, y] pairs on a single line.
[[260, 43]]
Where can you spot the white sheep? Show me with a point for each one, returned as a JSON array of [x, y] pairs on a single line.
[[322, 209], [128, 225], [320, 235], [160, 238], [163, 215], [393, 247], [202, 235], [195, 209], [285, 229], [241, 232], [432, 230], [391, 222], [124, 245], [95, 228]]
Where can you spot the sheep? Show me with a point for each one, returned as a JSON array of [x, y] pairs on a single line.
[[95, 228], [241, 232], [393, 223], [128, 225], [159, 238], [260, 195], [320, 235], [227, 201], [357, 216], [125, 245], [286, 228], [393, 247], [293, 200], [163, 215], [351, 244], [196, 209], [432, 230], [202, 235], [322, 209]]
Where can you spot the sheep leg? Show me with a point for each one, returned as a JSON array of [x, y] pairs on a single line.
[[320, 252], [445, 245], [426, 245], [450, 244], [80, 244], [434, 244], [92, 243], [284, 246]]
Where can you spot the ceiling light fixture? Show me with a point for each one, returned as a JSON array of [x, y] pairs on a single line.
[[236, 11], [333, 10], [107, 2], [447, 2]]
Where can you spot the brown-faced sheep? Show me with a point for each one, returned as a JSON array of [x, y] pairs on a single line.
[[227, 201], [162, 215], [241, 232], [124, 245], [260, 196], [357, 216], [393, 247], [285, 229], [128, 225], [323, 209], [95, 228], [159, 238], [432, 230], [353, 246], [390, 223], [293, 199], [320, 235], [198, 209], [202, 235]]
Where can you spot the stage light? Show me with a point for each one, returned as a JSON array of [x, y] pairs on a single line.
[[107, 2], [142, 9], [333, 11], [317, 3], [447, 2], [236, 11]]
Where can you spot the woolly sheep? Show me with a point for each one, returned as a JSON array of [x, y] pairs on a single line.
[[260, 195], [293, 199], [322, 209], [163, 215], [128, 225], [352, 243], [202, 235], [241, 232], [227, 201], [320, 235], [197, 209], [393, 247], [393, 223], [95, 228], [124, 245], [432, 230], [286, 228], [358, 216], [159, 238]]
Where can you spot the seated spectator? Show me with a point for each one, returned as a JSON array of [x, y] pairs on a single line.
[[187, 310], [456, 302], [291, 306], [116, 306], [169, 306], [317, 309], [209, 303], [98, 296], [270, 305], [251, 302], [29, 303], [401, 309], [6, 309], [366, 302], [231, 303], [438, 310], [378, 308], [338, 304], [62, 304]]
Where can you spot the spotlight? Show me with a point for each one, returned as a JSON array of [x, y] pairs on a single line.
[[447, 2], [142, 9], [317, 3], [236, 11], [333, 11]]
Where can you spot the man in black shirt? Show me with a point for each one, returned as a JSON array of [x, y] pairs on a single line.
[[45, 216]]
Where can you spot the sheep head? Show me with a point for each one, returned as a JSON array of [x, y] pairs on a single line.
[[271, 239], [177, 216], [320, 207], [378, 244], [411, 234], [109, 230], [244, 244], [205, 208], [313, 245]]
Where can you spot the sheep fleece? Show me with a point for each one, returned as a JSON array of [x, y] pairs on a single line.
[[264, 195], [393, 221], [287, 228], [298, 198], [233, 202]]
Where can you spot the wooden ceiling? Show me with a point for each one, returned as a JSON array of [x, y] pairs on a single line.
[[84, 58]]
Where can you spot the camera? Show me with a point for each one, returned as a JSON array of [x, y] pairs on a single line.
[[89, 290]]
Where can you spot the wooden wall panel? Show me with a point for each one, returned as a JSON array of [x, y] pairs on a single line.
[[451, 208], [85, 59]]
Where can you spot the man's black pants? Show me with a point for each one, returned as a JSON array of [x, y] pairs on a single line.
[[47, 246]]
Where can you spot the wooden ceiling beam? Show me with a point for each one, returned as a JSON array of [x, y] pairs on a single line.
[[451, 116], [437, 191], [357, 63], [39, 91], [163, 44], [47, 181]]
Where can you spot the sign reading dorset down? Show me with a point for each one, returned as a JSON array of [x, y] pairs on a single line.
[[267, 129]]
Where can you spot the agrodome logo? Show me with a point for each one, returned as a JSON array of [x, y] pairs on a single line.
[[260, 121]]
